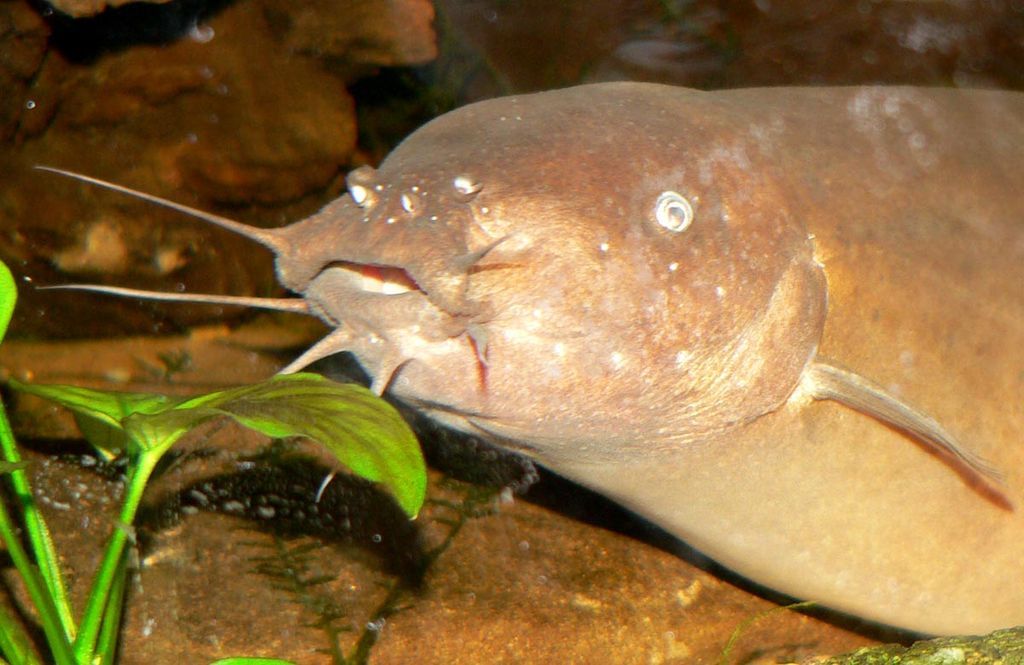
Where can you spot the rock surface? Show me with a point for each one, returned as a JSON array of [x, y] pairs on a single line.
[[22, 47]]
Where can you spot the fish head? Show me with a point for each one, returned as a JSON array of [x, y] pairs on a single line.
[[569, 271]]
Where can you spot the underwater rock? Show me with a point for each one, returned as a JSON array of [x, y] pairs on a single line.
[[706, 44], [967, 44], [1002, 646], [385, 33], [216, 105], [82, 8], [536, 44], [671, 61], [220, 113], [22, 47]]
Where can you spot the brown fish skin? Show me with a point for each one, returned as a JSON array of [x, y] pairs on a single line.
[[912, 197], [662, 387], [533, 291]]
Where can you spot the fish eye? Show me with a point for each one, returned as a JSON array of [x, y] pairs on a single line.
[[673, 212]]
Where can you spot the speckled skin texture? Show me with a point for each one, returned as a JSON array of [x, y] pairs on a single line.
[[531, 293], [882, 225]]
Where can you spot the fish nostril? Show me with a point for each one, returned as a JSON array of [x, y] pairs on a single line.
[[410, 203], [362, 182], [359, 194], [466, 186]]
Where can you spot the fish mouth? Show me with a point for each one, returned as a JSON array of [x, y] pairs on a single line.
[[378, 299], [368, 279], [376, 279], [380, 314]]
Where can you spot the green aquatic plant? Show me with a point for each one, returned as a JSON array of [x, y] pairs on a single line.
[[364, 433], [292, 568]]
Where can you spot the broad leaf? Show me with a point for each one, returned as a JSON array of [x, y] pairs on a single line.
[[100, 414], [365, 433]]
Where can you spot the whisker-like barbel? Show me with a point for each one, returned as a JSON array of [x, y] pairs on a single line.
[[267, 237], [296, 305]]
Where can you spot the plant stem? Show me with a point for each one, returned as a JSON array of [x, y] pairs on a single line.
[[747, 623], [38, 534], [96, 605], [106, 646], [14, 641], [52, 628]]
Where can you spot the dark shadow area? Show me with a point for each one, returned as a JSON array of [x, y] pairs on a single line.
[[276, 491], [290, 496], [85, 39], [394, 102]]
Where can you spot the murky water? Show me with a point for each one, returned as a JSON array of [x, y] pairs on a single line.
[[256, 110]]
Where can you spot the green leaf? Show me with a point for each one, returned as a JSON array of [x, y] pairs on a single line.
[[101, 414], [8, 296], [108, 440], [105, 405], [364, 433]]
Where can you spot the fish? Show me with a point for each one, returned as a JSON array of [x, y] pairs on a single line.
[[784, 324]]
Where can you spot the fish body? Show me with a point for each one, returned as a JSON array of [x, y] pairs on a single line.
[[786, 325]]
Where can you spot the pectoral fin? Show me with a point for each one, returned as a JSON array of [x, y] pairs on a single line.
[[823, 380]]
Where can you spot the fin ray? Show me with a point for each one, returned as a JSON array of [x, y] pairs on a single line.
[[825, 381]]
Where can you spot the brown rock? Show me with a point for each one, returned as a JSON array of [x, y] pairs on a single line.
[[537, 44], [222, 114], [215, 117], [22, 47], [83, 8], [739, 43], [971, 43], [384, 33]]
